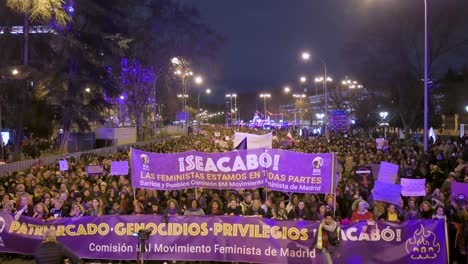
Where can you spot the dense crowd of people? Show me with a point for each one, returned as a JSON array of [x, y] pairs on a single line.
[[45, 192]]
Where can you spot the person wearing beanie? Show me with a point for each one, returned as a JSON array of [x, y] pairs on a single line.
[[362, 212]]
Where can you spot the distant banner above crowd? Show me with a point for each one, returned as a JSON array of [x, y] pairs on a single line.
[[279, 170], [253, 141], [228, 238]]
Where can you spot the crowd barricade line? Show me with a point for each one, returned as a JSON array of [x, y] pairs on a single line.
[[47, 160]]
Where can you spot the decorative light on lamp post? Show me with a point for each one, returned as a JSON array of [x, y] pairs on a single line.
[[287, 89], [122, 97], [15, 72], [265, 96], [303, 79], [88, 90], [384, 115]]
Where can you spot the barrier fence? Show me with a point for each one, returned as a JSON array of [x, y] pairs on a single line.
[[26, 164], [228, 238]]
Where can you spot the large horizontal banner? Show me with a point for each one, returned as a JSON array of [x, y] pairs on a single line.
[[280, 170], [228, 238]]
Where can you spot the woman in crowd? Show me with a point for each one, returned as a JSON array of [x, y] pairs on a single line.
[[233, 208], [194, 208], [361, 213], [172, 208], [96, 208], [439, 213], [216, 207], [426, 210], [77, 210], [300, 212], [41, 212], [279, 212], [411, 211], [391, 214]]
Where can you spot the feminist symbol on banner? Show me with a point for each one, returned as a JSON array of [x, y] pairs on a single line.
[[423, 245]]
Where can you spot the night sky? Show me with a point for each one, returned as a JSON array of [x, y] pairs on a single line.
[[264, 39]]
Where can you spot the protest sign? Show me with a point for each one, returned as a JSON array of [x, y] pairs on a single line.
[[388, 172], [363, 175], [387, 192], [94, 170], [379, 142], [119, 168], [459, 193], [63, 165], [254, 141], [413, 187]]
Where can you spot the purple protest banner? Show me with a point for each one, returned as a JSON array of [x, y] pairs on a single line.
[[278, 169], [228, 170], [228, 238], [302, 172]]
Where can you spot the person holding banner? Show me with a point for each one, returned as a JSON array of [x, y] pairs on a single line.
[[327, 239]]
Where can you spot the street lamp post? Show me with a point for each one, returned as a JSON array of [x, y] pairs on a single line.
[[265, 96], [299, 98], [426, 104], [384, 115], [306, 57], [207, 91]]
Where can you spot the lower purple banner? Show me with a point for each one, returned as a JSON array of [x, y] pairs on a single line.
[[228, 238]]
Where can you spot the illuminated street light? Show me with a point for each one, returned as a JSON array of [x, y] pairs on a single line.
[[175, 61], [303, 79], [320, 116], [305, 56], [15, 72], [287, 89], [88, 90], [299, 95], [122, 97], [198, 80]]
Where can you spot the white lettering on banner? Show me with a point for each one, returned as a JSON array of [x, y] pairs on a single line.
[[387, 234], [110, 248], [224, 164]]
